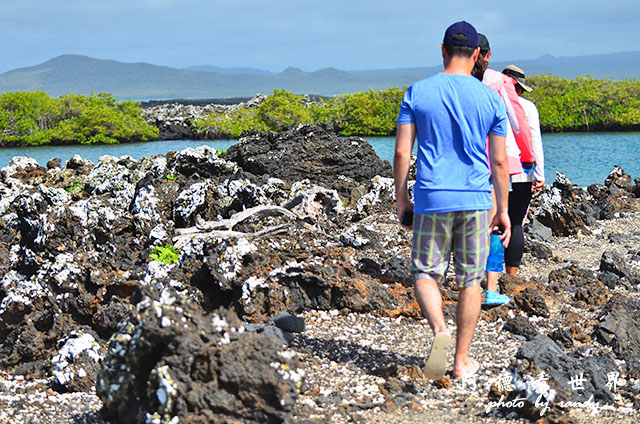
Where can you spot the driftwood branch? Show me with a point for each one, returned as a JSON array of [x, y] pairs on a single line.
[[258, 211], [181, 240], [224, 227]]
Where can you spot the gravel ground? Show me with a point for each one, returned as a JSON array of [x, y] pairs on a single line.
[[363, 368], [352, 360]]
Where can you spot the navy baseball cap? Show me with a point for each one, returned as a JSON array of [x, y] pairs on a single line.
[[461, 34], [483, 43]]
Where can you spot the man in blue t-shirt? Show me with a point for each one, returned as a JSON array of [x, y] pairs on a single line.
[[452, 114]]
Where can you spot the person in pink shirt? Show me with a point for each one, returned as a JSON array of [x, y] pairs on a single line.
[[519, 147]]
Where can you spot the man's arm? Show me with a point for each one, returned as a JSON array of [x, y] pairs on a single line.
[[405, 135], [500, 180]]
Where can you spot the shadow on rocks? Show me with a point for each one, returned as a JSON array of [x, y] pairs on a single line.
[[369, 360]]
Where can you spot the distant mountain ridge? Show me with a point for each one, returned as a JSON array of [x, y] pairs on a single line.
[[142, 81], [228, 71]]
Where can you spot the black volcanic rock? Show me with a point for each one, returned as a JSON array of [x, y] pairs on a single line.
[[195, 234], [563, 337], [169, 360], [619, 328], [618, 181], [568, 209], [531, 301], [561, 368], [310, 152], [537, 249], [521, 326], [614, 262], [538, 231]]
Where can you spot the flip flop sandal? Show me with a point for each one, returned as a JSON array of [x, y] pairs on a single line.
[[436, 364]]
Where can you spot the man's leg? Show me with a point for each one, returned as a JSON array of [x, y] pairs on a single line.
[[430, 258], [467, 312], [471, 248], [430, 301]]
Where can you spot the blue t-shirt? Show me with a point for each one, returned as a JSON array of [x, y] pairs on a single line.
[[453, 115]]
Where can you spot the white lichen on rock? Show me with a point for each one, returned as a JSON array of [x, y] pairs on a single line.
[[145, 205], [232, 256], [249, 286], [190, 200], [19, 292], [73, 347]]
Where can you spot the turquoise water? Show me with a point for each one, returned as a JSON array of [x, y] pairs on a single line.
[[585, 158], [93, 152]]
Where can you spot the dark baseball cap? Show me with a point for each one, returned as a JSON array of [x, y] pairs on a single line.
[[461, 34], [483, 43]]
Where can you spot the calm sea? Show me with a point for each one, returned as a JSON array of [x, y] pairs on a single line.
[[585, 158]]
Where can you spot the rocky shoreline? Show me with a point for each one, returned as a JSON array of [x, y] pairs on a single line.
[[270, 284], [176, 120]]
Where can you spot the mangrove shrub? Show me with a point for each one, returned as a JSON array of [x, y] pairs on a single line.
[[367, 113], [34, 118], [585, 104]]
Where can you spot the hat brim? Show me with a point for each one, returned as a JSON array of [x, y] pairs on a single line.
[[524, 86]]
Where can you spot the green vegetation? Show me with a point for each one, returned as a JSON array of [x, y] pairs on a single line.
[[371, 112], [367, 113], [585, 104], [73, 187], [166, 254], [34, 118]]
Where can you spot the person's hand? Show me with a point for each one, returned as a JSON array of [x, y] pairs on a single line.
[[536, 187], [402, 207], [501, 220]]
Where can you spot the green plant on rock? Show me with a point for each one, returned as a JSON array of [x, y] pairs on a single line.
[[73, 187], [166, 254]]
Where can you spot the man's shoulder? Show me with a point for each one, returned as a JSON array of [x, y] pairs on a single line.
[[490, 91], [432, 79], [491, 94]]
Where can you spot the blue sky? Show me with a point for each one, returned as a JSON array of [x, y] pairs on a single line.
[[308, 34]]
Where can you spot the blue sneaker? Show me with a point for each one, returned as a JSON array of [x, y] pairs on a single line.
[[494, 298]]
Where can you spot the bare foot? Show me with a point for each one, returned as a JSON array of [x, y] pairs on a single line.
[[466, 369]]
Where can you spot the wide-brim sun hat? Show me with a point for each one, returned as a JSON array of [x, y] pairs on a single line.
[[517, 74]]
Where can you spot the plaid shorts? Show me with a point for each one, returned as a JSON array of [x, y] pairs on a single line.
[[436, 235]]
